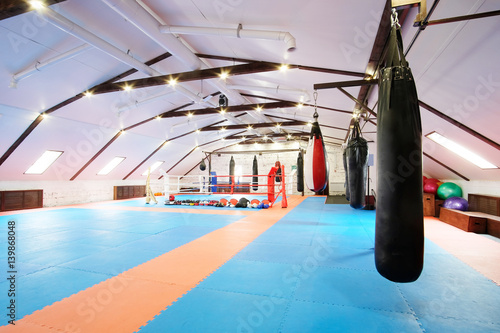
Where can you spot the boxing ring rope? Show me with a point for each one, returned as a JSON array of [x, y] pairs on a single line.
[[203, 185]]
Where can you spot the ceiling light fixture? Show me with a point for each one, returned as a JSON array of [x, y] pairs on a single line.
[[283, 67], [461, 151], [37, 4], [44, 162], [224, 75], [110, 166]]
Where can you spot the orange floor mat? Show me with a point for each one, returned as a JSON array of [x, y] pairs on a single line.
[[128, 301]]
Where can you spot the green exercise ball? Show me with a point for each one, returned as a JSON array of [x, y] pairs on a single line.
[[448, 190]]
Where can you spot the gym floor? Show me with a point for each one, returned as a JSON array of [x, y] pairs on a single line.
[[125, 266]]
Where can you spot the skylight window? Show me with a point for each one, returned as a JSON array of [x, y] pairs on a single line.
[[153, 167], [461, 151], [111, 165], [44, 162]]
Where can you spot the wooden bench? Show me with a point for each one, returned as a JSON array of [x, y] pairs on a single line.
[[492, 223], [467, 221]]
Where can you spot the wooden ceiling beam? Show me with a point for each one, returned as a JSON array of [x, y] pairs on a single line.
[[463, 18], [343, 84], [458, 124], [203, 74], [358, 102], [167, 141], [232, 108], [70, 100], [253, 126], [304, 104], [320, 124], [298, 66], [445, 166]]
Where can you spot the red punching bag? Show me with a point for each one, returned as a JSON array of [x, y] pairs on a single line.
[[316, 160]]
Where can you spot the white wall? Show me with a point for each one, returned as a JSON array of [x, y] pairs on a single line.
[[60, 193], [486, 187]]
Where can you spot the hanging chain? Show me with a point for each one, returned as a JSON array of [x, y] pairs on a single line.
[[315, 115], [394, 19]]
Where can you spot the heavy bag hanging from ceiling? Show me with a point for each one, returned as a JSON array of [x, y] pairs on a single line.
[[300, 172], [316, 159], [255, 171], [231, 170], [346, 184], [399, 229], [357, 167], [203, 166]]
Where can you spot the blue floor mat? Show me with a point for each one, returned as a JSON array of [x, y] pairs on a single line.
[[316, 269], [312, 271]]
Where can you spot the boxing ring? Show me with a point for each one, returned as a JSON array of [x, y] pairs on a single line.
[[274, 185]]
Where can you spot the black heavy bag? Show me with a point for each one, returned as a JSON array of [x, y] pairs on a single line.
[[300, 173], [278, 172], [255, 171], [347, 193], [203, 166], [357, 166], [399, 231], [231, 170]]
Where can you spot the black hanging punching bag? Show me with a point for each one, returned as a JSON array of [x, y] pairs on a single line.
[[357, 166], [346, 169], [231, 170], [399, 230], [255, 171], [300, 173], [203, 166]]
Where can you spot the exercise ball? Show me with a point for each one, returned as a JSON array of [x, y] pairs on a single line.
[[433, 180], [458, 203], [448, 190], [431, 187]]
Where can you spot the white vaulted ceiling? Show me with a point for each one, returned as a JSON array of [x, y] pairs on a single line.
[[455, 66]]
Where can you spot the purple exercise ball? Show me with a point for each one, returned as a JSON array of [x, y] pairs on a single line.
[[457, 203]]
